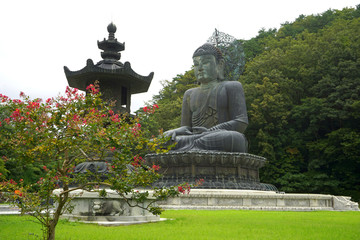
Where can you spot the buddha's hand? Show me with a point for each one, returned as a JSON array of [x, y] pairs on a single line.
[[199, 130], [185, 130]]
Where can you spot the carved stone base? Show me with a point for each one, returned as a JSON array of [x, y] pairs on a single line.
[[220, 170], [112, 210]]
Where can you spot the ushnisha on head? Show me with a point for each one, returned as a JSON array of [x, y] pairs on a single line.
[[209, 49], [208, 63]]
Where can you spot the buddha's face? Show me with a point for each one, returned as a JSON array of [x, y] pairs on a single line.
[[206, 69]]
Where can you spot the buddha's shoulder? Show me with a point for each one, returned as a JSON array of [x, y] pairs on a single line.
[[191, 90], [231, 85]]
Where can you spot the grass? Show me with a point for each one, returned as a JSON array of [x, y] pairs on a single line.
[[190, 224]]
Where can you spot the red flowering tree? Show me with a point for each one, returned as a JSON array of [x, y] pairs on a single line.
[[65, 131]]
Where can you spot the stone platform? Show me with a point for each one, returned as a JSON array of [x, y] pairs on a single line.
[[109, 211], [220, 170], [9, 209], [224, 199]]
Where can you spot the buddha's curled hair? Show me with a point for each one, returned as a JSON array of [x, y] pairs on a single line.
[[208, 49]]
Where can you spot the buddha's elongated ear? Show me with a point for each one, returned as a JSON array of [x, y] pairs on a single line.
[[220, 69]]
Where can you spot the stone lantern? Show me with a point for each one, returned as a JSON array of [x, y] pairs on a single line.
[[117, 80]]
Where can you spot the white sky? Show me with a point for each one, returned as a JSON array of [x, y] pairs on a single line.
[[39, 38]]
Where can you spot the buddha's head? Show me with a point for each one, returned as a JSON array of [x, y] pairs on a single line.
[[208, 64]]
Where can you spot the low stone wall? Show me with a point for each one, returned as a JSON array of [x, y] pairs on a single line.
[[221, 199], [112, 210]]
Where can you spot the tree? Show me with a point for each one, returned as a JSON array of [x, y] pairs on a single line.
[[302, 94], [67, 130], [255, 46]]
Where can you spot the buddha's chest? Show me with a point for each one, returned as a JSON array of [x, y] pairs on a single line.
[[215, 98]]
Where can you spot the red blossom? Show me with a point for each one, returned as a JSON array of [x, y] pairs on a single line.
[[76, 117], [16, 116], [68, 90], [181, 189], [17, 101], [4, 98], [184, 187], [12, 182], [136, 128], [90, 86], [156, 167], [33, 105], [150, 110], [135, 164], [200, 181], [93, 89], [115, 118], [137, 160], [18, 192]]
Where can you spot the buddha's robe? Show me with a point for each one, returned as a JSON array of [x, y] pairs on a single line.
[[220, 109]]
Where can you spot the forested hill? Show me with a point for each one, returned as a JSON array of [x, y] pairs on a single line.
[[302, 87]]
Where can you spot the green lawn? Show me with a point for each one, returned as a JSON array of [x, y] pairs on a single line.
[[202, 224]]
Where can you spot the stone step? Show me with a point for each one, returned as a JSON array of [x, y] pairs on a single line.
[[259, 208], [9, 209], [220, 199]]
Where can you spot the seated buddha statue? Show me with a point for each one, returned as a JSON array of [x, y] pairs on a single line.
[[214, 115]]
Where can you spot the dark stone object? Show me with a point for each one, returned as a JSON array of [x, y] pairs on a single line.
[[98, 168], [220, 170], [94, 167], [117, 80], [210, 144], [214, 115]]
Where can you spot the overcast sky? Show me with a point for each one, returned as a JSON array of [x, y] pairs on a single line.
[[39, 38]]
